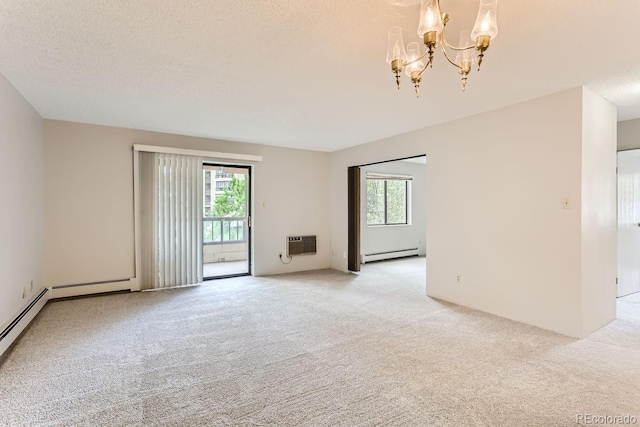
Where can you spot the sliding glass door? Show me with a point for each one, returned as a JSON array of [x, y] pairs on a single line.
[[226, 221]]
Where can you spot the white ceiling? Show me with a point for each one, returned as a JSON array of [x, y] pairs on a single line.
[[305, 73]]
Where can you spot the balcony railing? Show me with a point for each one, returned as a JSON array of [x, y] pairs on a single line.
[[224, 230]]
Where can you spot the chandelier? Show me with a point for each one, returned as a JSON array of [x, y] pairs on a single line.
[[431, 30]]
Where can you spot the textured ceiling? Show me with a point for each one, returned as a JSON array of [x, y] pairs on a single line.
[[305, 73]]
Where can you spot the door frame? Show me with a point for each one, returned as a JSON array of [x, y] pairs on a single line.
[[354, 211], [619, 277], [353, 218], [248, 188]]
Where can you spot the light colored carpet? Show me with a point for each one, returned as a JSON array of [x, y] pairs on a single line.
[[318, 348]]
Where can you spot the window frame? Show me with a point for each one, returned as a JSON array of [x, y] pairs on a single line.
[[386, 222]]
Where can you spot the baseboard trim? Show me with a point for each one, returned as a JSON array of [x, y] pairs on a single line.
[[90, 283], [91, 288], [380, 256], [15, 327]]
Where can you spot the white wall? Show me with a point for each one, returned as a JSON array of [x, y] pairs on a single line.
[[89, 225], [378, 239], [629, 134], [599, 213], [21, 201], [495, 182]]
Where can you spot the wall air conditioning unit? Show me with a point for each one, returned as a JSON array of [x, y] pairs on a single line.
[[301, 245]]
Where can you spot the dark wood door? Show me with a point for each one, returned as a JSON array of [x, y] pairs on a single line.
[[353, 221]]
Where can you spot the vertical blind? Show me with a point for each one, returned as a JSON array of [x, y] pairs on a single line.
[[171, 220]]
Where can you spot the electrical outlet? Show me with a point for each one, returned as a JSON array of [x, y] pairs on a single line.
[[344, 254], [333, 253], [459, 278], [566, 202]]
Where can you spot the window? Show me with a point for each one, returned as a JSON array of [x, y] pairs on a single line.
[[387, 201], [221, 185]]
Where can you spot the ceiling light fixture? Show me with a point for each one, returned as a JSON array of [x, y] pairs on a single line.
[[471, 49]]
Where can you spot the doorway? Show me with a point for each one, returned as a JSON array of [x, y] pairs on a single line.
[[386, 211], [628, 222], [226, 221]]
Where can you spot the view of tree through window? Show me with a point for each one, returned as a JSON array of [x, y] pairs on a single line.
[[224, 218], [386, 201], [231, 203]]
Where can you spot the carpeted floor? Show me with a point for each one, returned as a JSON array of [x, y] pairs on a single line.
[[318, 348]]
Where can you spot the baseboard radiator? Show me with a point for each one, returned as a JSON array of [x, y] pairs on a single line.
[[379, 256], [14, 328]]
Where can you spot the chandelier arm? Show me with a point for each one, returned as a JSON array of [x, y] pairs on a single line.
[[426, 66], [444, 39], [415, 60], [459, 48], [444, 51]]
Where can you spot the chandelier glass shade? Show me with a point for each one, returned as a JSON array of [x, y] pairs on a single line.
[[471, 48]]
